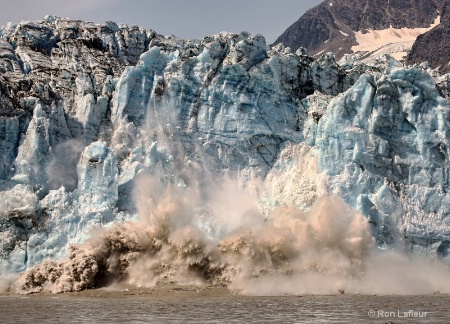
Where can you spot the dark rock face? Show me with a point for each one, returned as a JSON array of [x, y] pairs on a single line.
[[434, 46], [323, 28], [381, 14]]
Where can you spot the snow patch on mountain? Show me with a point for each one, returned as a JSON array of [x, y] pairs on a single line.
[[394, 41]]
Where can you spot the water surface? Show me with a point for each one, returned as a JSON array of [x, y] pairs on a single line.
[[224, 309]]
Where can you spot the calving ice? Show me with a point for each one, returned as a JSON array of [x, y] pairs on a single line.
[[132, 156]]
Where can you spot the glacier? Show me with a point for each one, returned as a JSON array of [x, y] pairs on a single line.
[[89, 111]]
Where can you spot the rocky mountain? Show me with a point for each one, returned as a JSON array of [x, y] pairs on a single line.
[[183, 158], [365, 28], [434, 45]]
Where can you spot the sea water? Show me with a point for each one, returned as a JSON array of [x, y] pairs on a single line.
[[225, 309]]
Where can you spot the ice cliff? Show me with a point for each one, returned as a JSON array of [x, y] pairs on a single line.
[[86, 110]]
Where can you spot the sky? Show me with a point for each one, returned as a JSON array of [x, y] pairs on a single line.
[[183, 18]]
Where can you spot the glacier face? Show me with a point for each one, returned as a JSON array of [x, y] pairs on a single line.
[[87, 109], [390, 135]]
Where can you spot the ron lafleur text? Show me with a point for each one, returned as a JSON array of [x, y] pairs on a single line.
[[401, 314]]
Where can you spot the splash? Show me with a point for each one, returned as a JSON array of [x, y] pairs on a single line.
[[169, 243], [294, 180]]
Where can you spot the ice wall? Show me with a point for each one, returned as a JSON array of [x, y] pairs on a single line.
[[87, 110], [385, 145]]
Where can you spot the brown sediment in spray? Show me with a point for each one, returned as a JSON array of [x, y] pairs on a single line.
[[167, 245]]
